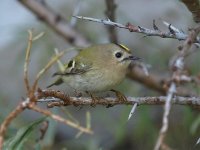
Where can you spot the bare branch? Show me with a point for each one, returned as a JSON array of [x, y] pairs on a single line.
[[178, 71], [12, 115], [48, 16], [156, 82], [110, 13], [43, 130], [60, 119], [139, 29], [31, 98], [61, 99], [165, 122], [50, 63], [26, 64], [75, 12], [193, 6], [55, 21]]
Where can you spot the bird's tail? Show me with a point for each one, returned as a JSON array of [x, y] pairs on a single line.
[[56, 82]]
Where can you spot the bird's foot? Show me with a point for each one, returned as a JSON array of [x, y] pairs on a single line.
[[120, 96], [78, 94], [94, 99]]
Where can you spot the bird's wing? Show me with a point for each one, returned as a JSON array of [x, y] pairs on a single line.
[[79, 65]]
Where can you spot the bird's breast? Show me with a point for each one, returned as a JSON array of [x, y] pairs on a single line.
[[95, 80]]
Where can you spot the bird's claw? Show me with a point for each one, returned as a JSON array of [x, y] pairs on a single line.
[[121, 97], [94, 99]]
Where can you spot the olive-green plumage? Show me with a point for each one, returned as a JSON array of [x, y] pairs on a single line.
[[96, 68]]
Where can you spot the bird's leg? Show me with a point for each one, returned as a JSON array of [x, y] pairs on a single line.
[[121, 97], [77, 93], [93, 97]]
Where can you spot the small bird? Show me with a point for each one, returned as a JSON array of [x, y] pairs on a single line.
[[97, 68]]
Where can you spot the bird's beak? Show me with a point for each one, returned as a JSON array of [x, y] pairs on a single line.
[[131, 57]]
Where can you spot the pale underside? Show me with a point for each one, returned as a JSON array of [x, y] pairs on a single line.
[[94, 81]]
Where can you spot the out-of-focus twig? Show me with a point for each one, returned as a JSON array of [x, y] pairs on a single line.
[[50, 63], [178, 69], [43, 130], [194, 8], [165, 122], [60, 119], [155, 82], [75, 12], [26, 64], [20, 108], [110, 13], [55, 21]]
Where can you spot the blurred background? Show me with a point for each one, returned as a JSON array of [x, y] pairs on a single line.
[[112, 131]]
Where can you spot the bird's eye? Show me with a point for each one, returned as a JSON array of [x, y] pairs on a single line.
[[118, 55]]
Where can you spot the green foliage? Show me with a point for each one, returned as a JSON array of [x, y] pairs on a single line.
[[22, 135], [195, 125]]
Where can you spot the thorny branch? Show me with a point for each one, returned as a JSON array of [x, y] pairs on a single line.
[[60, 119], [172, 33], [58, 98], [57, 23], [178, 69]]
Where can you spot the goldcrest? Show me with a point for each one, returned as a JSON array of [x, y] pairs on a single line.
[[97, 68]]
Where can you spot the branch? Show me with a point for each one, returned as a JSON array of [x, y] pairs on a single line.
[[49, 64], [7, 121], [154, 82], [60, 119], [165, 121], [193, 6], [55, 21], [178, 70], [29, 103], [110, 13], [58, 98], [26, 64], [172, 33]]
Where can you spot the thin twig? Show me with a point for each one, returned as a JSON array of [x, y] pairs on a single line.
[[49, 64], [26, 64], [75, 12], [60, 119], [178, 70], [165, 122], [43, 130], [12, 115], [31, 97], [155, 82]]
